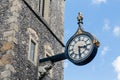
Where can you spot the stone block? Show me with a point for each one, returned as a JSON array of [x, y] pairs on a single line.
[[6, 79], [7, 46], [5, 74], [10, 52], [1, 55], [11, 0], [9, 33], [11, 19], [1, 64], [13, 8], [16, 5], [16, 14], [7, 59], [10, 67], [11, 38]]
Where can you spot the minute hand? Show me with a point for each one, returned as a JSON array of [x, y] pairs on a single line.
[[79, 50]]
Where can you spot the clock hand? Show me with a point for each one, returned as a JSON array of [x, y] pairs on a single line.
[[82, 46], [79, 50], [80, 53]]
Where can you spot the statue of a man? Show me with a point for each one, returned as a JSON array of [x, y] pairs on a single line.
[[80, 18]]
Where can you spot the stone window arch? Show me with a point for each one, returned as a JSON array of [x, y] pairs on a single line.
[[33, 46]]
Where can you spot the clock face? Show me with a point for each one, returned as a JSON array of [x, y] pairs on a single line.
[[80, 47]]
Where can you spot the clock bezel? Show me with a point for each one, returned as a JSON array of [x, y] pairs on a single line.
[[89, 57]]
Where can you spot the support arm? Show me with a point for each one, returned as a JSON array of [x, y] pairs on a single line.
[[54, 58]]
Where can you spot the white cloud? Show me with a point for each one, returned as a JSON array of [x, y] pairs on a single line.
[[106, 26], [98, 1], [105, 50], [116, 31], [116, 65]]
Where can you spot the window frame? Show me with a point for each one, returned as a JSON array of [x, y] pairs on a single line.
[[35, 51], [44, 8], [32, 50]]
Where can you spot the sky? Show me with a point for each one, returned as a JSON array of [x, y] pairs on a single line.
[[101, 18]]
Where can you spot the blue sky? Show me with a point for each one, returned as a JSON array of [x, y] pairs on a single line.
[[101, 18]]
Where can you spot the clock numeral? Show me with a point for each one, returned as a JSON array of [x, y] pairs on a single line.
[[77, 39], [85, 39], [70, 50], [82, 50], [75, 56], [71, 47], [81, 38], [83, 55], [73, 43], [86, 52], [71, 53], [89, 46], [78, 57], [88, 42]]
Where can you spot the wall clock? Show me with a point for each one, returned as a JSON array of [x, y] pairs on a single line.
[[80, 49]]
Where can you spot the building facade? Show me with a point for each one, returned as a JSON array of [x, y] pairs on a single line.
[[31, 30]]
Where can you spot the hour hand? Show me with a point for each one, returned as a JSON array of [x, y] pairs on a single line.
[[79, 47]]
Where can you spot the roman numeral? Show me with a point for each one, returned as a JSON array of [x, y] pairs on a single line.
[[70, 50], [72, 54]]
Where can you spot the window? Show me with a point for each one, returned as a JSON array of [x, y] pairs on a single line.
[[33, 46], [32, 50], [44, 8], [32, 56]]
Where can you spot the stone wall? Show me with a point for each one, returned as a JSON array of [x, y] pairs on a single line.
[[8, 31], [57, 18], [15, 20]]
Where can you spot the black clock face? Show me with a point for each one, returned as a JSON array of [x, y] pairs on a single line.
[[80, 47]]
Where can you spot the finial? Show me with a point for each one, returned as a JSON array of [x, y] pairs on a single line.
[[80, 22], [80, 18]]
